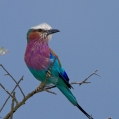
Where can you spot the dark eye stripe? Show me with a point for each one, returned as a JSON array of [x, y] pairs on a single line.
[[39, 30]]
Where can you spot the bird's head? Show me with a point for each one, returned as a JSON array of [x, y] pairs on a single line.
[[41, 32]]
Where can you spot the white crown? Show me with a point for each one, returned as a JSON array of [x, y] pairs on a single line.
[[42, 26]]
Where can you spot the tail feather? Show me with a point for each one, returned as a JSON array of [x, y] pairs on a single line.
[[84, 111], [68, 94]]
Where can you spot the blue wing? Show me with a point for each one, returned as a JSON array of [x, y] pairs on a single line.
[[62, 74], [65, 78]]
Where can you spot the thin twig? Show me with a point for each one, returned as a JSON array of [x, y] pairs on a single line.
[[24, 100], [49, 91], [40, 90], [12, 79], [12, 106], [84, 81], [8, 93], [11, 93], [91, 117], [50, 87]]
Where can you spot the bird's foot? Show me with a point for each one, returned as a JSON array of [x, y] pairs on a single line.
[[40, 87], [48, 74]]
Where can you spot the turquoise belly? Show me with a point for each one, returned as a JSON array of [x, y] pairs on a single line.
[[41, 75]]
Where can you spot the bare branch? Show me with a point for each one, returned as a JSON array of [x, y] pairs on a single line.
[[12, 79], [12, 106], [50, 87], [84, 81], [11, 93], [91, 117], [22, 102], [49, 91], [26, 98], [8, 93], [44, 89]]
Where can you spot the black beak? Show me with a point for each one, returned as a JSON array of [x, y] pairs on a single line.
[[51, 31]]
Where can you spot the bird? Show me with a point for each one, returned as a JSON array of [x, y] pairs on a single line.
[[39, 57]]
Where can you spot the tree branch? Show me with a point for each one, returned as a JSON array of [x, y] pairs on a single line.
[[12, 106], [8, 93], [11, 94], [40, 90], [12, 79], [49, 91], [13, 109], [84, 81], [21, 103]]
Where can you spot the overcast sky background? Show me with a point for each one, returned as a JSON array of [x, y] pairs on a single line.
[[89, 40]]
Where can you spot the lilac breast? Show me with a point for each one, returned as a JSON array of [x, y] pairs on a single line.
[[37, 55]]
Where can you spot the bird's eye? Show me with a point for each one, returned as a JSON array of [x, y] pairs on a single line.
[[39, 30]]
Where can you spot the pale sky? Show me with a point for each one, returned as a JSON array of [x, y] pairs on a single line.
[[88, 40]]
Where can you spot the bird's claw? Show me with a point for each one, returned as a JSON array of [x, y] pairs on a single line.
[[48, 74], [40, 87]]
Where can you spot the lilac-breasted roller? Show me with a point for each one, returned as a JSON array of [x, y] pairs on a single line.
[[39, 57]]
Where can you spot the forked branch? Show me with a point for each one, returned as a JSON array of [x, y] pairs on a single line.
[[7, 73], [84, 81], [11, 93], [47, 89], [44, 89]]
